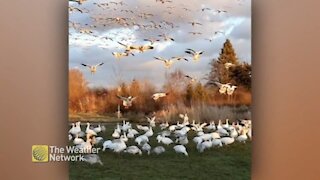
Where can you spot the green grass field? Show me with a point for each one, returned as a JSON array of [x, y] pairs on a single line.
[[229, 162]]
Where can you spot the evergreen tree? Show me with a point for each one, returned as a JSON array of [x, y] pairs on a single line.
[[241, 75], [218, 70]]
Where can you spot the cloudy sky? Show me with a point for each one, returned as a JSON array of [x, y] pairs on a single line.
[[94, 48]]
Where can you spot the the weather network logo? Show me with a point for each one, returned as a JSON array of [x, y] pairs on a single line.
[[40, 153]]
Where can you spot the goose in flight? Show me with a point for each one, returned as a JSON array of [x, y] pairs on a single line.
[[166, 37], [102, 5], [219, 32], [206, 9], [186, 9], [93, 68], [228, 65], [145, 15], [127, 101], [195, 33], [127, 11], [167, 62], [222, 87], [128, 48], [144, 48], [196, 54], [118, 19], [209, 39], [72, 9], [231, 89], [79, 1], [85, 31], [152, 41], [107, 38], [180, 149], [119, 55], [180, 58], [220, 11], [193, 23], [164, 1], [156, 96], [192, 79]]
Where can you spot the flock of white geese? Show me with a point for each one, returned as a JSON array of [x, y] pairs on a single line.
[[207, 136]]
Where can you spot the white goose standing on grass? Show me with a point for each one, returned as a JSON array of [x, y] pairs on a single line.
[[90, 131], [226, 125], [107, 145], [92, 159], [233, 132], [143, 128], [103, 128], [125, 126], [133, 150], [165, 133], [119, 145], [204, 145], [93, 68], [182, 140], [164, 125], [116, 132], [132, 133], [196, 54], [243, 137], [198, 127], [197, 140], [141, 139], [221, 131], [227, 140], [180, 149], [78, 140], [159, 149], [85, 146], [211, 126], [149, 133], [98, 140], [164, 140], [146, 147], [72, 130], [152, 121], [76, 130], [216, 142], [97, 129]]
